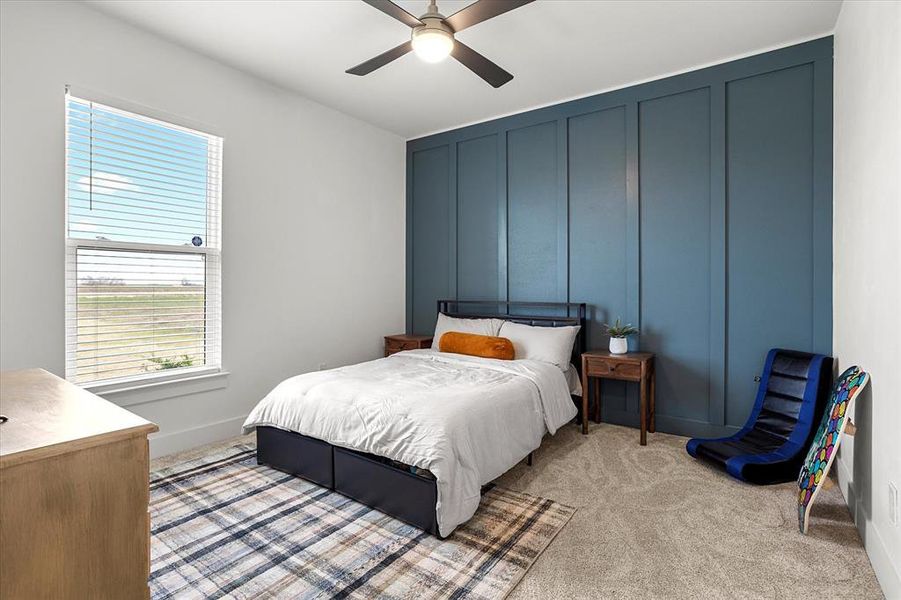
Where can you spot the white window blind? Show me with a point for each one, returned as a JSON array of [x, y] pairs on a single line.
[[142, 246]]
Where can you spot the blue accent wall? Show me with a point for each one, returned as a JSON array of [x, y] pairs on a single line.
[[697, 207]]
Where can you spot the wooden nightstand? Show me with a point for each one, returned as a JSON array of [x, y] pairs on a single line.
[[402, 341], [632, 366]]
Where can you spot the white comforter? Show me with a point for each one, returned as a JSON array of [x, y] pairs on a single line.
[[466, 419]]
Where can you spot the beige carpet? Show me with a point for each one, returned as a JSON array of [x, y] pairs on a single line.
[[654, 523]]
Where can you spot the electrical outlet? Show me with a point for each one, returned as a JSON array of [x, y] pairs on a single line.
[[323, 366], [893, 507]]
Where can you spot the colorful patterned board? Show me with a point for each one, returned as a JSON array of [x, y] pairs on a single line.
[[825, 444]]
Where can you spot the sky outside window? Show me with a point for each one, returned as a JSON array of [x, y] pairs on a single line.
[[134, 180]]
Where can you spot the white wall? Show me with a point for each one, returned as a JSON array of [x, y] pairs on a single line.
[[313, 211], [867, 266]]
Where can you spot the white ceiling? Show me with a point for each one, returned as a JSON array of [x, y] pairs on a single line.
[[556, 49]]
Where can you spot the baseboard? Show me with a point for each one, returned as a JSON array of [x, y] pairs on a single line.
[[886, 571], [668, 424], [844, 483], [169, 443]]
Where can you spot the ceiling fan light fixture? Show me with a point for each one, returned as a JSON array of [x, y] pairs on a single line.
[[433, 37], [432, 44]]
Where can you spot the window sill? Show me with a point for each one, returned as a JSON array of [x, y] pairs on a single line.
[[132, 393]]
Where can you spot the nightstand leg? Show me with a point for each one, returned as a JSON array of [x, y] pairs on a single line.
[[597, 400], [652, 426], [584, 396], [643, 411], [584, 412]]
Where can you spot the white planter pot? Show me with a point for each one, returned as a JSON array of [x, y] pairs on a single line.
[[619, 345]]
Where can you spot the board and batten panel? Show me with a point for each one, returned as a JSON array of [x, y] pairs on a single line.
[[477, 219], [674, 168], [430, 245], [597, 226], [533, 225], [770, 227], [697, 205]]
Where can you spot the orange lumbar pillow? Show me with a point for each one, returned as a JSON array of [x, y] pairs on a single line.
[[472, 344]]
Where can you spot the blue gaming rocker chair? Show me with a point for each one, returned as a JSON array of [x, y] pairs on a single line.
[[772, 445]]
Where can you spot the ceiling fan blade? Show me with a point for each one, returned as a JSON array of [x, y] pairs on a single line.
[[481, 11], [480, 65], [393, 10], [381, 60]]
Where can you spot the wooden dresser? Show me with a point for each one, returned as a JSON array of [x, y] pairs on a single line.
[[73, 492]]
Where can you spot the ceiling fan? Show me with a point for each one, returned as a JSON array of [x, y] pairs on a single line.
[[433, 37]]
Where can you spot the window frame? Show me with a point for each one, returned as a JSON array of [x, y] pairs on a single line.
[[211, 251]]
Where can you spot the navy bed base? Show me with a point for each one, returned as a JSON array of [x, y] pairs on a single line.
[[772, 445], [399, 493]]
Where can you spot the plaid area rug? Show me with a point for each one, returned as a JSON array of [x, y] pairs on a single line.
[[225, 527]]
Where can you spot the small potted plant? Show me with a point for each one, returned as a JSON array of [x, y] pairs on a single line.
[[618, 334]]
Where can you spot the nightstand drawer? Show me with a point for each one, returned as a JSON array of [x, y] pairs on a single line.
[[395, 346], [598, 367]]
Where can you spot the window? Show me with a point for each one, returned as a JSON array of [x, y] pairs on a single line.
[[142, 246]]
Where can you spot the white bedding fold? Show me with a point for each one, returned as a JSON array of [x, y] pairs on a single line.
[[466, 419]]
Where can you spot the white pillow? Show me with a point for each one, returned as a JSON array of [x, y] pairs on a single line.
[[548, 344], [478, 326]]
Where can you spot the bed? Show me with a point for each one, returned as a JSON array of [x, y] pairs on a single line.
[[417, 435]]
